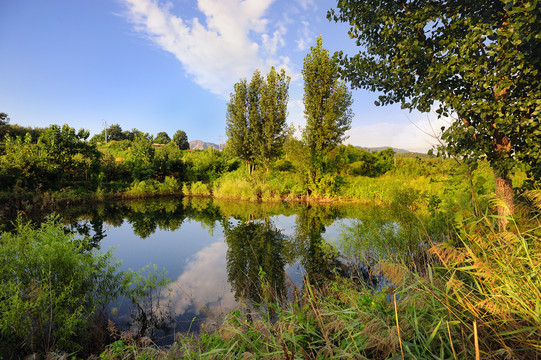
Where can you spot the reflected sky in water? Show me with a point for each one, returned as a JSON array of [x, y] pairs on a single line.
[[195, 260], [214, 252]]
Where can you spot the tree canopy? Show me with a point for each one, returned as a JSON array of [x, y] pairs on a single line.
[[162, 138], [475, 60], [327, 102], [181, 140], [256, 117]]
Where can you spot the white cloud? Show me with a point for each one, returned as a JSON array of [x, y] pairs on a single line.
[[232, 39], [271, 44], [414, 136], [307, 4], [205, 280], [306, 36]]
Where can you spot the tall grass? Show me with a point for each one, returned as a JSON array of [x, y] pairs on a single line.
[[492, 279], [151, 187]]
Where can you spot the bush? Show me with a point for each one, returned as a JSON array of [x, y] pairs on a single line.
[[199, 189], [236, 188], [51, 285]]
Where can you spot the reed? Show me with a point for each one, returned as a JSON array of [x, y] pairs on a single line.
[[490, 282]]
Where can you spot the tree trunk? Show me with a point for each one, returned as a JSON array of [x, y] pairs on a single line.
[[504, 192]]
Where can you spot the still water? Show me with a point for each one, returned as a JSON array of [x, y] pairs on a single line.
[[216, 253]]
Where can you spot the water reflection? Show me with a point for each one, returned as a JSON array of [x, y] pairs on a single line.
[[216, 252], [255, 254], [203, 284]]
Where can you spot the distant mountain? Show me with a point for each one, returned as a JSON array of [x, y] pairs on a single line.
[[397, 151], [201, 145]]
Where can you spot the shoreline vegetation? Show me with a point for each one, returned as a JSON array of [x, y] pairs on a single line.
[[458, 264], [454, 290]]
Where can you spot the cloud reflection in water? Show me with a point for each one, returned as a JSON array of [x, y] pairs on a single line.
[[203, 285]]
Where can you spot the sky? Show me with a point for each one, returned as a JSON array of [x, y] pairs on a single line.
[[158, 65]]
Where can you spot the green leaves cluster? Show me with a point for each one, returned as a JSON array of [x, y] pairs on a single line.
[[256, 118], [327, 102], [51, 286], [478, 61], [60, 156]]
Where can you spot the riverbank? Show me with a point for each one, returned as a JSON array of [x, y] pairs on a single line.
[[275, 187]]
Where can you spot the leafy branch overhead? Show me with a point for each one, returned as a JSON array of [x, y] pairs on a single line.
[[476, 60]]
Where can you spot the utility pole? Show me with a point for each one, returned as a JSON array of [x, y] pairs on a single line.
[[105, 126]]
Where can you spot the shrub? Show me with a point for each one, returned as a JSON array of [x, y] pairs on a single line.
[[51, 285], [199, 189]]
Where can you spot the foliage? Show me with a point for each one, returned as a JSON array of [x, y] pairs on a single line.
[[162, 138], [208, 165], [180, 139], [51, 284], [256, 118], [476, 60], [253, 246], [327, 102], [141, 158], [170, 185], [14, 130], [168, 162], [236, 185], [4, 119], [196, 188], [60, 157]]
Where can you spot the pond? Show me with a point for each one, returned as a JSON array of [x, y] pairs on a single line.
[[217, 254]]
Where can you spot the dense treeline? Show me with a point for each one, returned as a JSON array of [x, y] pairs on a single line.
[[62, 162]]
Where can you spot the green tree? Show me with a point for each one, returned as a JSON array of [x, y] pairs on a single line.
[[256, 118], [66, 155], [115, 133], [162, 138], [327, 102], [4, 119], [181, 140], [478, 61], [273, 101], [141, 157], [328, 114]]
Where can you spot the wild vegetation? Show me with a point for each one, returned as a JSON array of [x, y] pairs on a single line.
[[446, 266]]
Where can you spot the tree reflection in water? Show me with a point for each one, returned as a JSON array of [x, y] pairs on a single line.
[[319, 260], [254, 256]]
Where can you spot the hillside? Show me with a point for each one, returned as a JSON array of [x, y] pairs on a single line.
[[201, 145]]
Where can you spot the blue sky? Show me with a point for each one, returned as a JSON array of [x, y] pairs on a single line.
[[161, 65]]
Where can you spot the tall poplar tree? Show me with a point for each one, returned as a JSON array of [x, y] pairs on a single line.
[[273, 106], [256, 118], [327, 102], [476, 60]]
